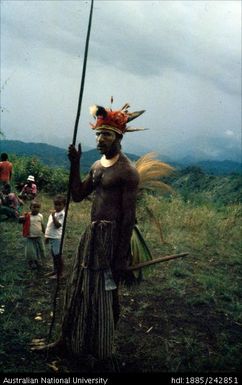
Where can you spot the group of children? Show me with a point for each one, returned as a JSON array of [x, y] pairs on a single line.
[[33, 225], [33, 230]]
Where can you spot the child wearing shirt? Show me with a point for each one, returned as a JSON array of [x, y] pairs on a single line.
[[53, 234], [33, 228], [29, 191]]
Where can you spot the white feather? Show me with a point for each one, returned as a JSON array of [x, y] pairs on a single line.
[[93, 110]]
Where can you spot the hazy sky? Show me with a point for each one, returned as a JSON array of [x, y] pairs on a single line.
[[178, 60]]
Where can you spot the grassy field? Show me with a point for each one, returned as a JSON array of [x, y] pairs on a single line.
[[186, 315]]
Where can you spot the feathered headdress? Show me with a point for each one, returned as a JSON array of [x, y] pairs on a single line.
[[114, 120]]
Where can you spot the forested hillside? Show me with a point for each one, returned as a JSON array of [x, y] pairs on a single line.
[[57, 157], [191, 183], [194, 184], [50, 155]]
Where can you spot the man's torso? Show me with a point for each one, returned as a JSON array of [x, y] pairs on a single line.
[[5, 170], [109, 184]]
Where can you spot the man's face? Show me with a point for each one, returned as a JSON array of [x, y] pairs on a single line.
[[106, 141]]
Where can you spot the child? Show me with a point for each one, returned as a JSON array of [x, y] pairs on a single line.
[[53, 234], [29, 191], [33, 227], [10, 203]]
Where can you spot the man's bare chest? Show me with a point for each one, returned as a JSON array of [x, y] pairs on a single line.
[[106, 178]]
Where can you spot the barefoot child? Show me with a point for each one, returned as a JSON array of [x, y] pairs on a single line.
[[53, 234], [33, 228]]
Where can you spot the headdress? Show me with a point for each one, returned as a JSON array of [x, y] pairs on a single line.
[[114, 120]]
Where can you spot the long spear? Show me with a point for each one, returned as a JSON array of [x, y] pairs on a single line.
[[73, 142]]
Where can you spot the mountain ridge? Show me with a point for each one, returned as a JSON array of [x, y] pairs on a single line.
[[57, 157]]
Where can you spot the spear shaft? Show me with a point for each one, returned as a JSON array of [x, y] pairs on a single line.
[[77, 119], [73, 142]]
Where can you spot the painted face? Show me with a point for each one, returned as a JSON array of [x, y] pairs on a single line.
[[105, 141]]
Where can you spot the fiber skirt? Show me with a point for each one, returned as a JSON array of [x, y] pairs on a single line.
[[89, 314]]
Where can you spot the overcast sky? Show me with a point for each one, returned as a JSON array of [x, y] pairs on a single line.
[[178, 60]]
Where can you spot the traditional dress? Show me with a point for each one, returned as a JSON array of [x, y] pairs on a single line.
[[91, 307], [92, 304]]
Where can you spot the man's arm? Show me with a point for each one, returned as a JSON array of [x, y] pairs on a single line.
[[129, 196], [79, 189]]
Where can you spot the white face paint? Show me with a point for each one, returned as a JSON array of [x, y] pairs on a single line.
[[105, 140]]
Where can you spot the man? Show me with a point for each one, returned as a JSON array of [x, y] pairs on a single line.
[[6, 169], [92, 304]]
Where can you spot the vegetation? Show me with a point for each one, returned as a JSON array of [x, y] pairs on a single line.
[[48, 179], [194, 185], [191, 183], [186, 315]]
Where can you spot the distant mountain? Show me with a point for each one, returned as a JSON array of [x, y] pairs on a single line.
[[223, 167], [57, 157], [51, 155]]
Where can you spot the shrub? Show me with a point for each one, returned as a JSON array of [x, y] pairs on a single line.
[[48, 179]]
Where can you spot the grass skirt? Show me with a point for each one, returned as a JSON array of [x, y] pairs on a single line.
[[88, 324]]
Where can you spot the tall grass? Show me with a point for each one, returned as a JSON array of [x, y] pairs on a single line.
[[185, 316]]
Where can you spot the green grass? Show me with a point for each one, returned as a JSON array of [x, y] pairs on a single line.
[[185, 316]]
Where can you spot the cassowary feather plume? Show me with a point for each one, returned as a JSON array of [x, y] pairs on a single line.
[[150, 171]]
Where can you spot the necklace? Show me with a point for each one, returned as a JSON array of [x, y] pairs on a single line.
[[108, 162]]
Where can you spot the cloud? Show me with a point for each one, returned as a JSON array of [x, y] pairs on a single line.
[[154, 35], [178, 60], [229, 133], [172, 35]]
